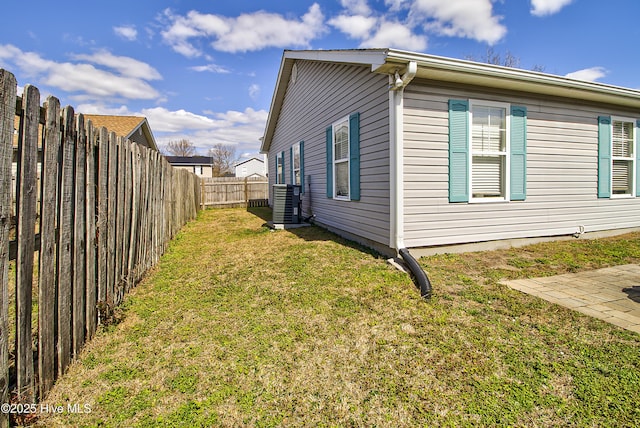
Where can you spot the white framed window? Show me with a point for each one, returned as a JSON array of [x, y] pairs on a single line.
[[623, 157], [296, 164], [341, 159], [489, 154], [280, 168]]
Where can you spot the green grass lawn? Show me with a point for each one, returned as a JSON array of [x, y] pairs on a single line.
[[242, 326]]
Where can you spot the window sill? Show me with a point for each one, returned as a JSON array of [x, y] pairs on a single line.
[[487, 200], [629, 196]]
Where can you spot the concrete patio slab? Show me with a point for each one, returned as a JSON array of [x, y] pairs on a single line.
[[611, 294]]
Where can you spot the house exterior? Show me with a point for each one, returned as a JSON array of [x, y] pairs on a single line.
[[397, 149], [199, 165], [133, 128], [253, 167]]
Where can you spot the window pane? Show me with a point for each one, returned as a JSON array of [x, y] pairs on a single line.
[[278, 169], [622, 177], [488, 132], [622, 139], [341, 141], [296, 156], [487, 176], [342, 179], [296, 176]]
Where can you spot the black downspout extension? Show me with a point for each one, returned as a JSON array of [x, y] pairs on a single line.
[[421, 279]]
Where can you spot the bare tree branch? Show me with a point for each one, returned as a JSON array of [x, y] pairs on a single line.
[[495, 58], [223, 157], [182, 147]]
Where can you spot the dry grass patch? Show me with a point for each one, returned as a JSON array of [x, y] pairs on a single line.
[[242, 326]]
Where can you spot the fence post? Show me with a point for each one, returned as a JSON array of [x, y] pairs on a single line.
[[8, 88], [246, 192], [202, 201]]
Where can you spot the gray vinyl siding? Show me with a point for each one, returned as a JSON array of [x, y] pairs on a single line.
[[322, 94], [562, 173]]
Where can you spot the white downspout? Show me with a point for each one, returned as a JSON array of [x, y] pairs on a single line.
[[396, 153]]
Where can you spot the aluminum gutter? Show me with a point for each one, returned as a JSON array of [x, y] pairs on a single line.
[[488, 75]]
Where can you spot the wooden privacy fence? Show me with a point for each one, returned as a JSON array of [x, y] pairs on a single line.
[[106, 211], [225, 192]]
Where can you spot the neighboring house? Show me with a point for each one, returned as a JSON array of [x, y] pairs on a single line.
[[133, 128], [405, 150], [200, 165], [253, 167]]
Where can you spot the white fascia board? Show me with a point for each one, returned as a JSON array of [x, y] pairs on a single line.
[[371, 57]]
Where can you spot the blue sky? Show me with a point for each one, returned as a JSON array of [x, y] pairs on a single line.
[[206, 70]]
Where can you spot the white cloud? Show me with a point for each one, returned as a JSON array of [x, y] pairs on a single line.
[[395, 35], [127, 32], [376, 31], [547, 7], [473, 19], [85, 79], [102, 109], [357, 7], [100, 83], [125, 65], [241, 129], [589, 74], [163, 120], [247, 32], [395, 5], [354, 26], [212, 68], [254, 91]]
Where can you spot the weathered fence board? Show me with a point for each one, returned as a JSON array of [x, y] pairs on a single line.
[[47, 274], [107, 208], [26, 214], [65, 242], [111, 218], [91, 241], [8, 88], [102, 208], [78, 304]]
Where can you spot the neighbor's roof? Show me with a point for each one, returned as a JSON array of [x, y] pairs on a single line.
[[388, 61], [190, 160], [123, 126], [249, 160]]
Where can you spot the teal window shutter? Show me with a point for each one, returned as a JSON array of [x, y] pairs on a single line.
[[291, 165], [302, 165], [637, 149], [458, 151], [329, 139], [518, 154], [604, 156], [354, 157]]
